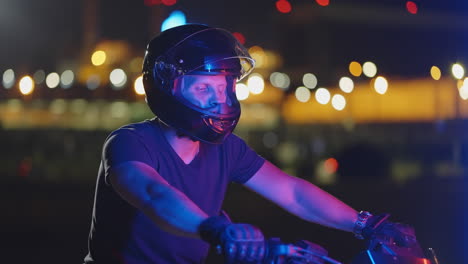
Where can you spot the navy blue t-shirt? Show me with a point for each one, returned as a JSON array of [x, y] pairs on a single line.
[[120, 233]]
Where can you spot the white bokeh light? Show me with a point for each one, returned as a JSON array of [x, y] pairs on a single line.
[[66, 79], [302, 94], [118, 78], [322, 95], [458, 71], [26, 85], [280, 80], [309, 80], [381, 85], [138, 86], [256, 83], [8, 79], [463, 91], [369, 69], [242, 91], [346, 84], [338, 102], [52, 80]]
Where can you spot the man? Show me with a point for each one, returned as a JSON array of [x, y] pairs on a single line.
[[161, 182]]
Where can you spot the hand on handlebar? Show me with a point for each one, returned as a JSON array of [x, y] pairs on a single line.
[[238, 242], [379, 227], [395, 238], [242, 242]]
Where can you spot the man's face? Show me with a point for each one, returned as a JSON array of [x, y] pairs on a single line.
[[209, 92]]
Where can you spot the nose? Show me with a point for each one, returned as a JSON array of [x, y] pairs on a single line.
[[218, 97]]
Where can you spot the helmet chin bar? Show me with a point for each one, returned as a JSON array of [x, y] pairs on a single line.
[[220, 125]]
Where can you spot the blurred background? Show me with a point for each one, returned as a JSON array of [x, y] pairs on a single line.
[[366, 99]]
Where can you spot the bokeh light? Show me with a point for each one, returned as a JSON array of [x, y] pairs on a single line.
[[39, 76], [66, 79], [458, 71], [338, 102], [280, 80], [322, 96], [355, 68], [309, 80], [138, 86], [369, 69], [323, 2], [346, 84], [242, 91], [463, 91], [283, 6], [255, 83], [26, 85], [302, 94], [176, 18], [381, 85], [8, 79], [118, 78], [52, 80], [331, 165], [412, 7], [168, 2], [240, 37], [258, 54], [435, 73], [98, 58]]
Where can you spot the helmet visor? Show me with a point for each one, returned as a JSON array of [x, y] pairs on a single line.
[[211, 51], [211, 95]]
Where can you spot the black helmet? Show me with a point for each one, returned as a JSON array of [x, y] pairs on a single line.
[[193, 50]]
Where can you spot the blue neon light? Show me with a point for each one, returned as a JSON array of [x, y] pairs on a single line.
[[176, 18], [370, 257]]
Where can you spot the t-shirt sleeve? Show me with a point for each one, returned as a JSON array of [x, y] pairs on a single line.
[[245, 161], [123, 145]]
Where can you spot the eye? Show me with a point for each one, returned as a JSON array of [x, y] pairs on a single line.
[[201, 88]]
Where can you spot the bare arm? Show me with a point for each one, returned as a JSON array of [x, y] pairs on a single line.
[[144, 188], [302, 198]]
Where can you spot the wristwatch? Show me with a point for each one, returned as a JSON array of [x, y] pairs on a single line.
[[360, 223]]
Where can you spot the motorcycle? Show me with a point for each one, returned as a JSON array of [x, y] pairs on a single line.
[[379, 251]]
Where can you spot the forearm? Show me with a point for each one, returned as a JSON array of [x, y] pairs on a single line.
[[141, 186], [173, 211], [314, 204]]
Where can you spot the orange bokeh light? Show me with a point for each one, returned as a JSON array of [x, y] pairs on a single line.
[[331, 165]]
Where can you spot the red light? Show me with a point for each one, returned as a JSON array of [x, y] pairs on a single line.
[[331, 165], [323, 2], [283, 6], [152, 2], [239, 37], [169, 2], [412, 7]]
